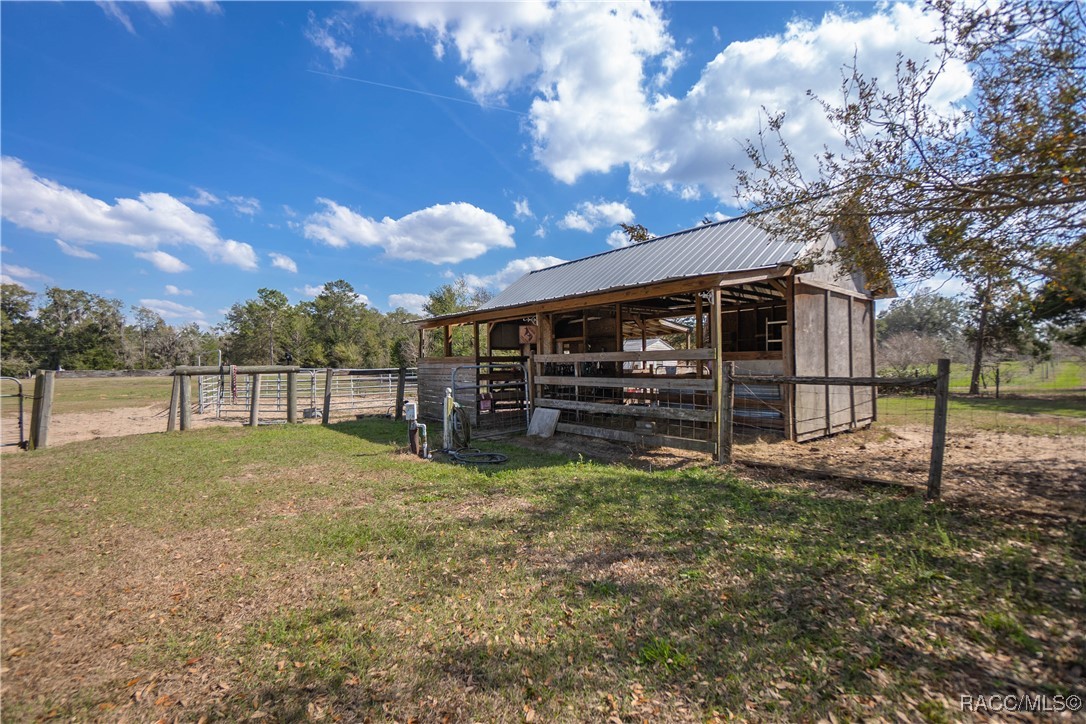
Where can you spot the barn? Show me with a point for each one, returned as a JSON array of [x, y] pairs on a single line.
[[574, 337]]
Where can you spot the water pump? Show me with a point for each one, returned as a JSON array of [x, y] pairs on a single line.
[[417, 441]]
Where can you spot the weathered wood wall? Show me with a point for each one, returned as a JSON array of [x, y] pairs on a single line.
[[435, 374], [833, 337]]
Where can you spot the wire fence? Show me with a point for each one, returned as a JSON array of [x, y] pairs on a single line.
[[354, 392]]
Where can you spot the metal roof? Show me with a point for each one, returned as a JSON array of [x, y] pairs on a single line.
[[726, 246]]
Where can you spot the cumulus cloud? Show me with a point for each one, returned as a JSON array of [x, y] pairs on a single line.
[[177, 292], [596, 73], [522, 210], [72, 250], [618, 239], [590, 215], [590, 67], [510, 272], [146, 222], [172, 310], [440, 234], [284, 262], [326, 34], [164, 262], [413, 303], [311, 291]]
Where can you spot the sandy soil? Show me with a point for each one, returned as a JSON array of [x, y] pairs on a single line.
[[1001, 472]]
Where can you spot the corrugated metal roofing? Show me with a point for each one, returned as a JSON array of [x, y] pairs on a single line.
[[727, 246]]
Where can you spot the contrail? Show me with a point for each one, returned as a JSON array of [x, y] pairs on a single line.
[[418, 92]]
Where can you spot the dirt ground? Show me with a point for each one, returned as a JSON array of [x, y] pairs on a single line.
[[1004, 471], [1001, 472]]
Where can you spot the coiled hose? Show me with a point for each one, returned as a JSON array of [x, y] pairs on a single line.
[[461, 437]]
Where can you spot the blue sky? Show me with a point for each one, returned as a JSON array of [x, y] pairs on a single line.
[[184, 155]]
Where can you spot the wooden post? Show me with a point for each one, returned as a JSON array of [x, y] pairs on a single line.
[[292, 397], [727, 422], [254, 402], [448, 340], [401, 381], [186, 402], [327, 414], [722, 419], [42, 411], [422, 343], [938, 431], [699, 333], [175, 402]]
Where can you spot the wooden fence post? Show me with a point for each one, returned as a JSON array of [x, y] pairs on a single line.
[[401, 381], [938, 431], [254, 401], [325, 418], [186, 402], [292, 397], [42, 411], [175, 400], [726, 415]]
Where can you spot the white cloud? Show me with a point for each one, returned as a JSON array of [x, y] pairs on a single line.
[[510, 272], [413, 303], [164, 262], [323, 34], [172, 310], [522, 210], [72, 250], [178, 292], [441, 234], [540, 231], [284, 262], [311, 291], [591, 215], [203, 197], [596, 73], [152, 219], [13, 272], [618, 239], [589, 66], [245, 205], [163, 9]]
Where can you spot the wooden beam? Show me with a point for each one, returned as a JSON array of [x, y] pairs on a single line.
[[840, 381], [724, 441], [658, 383], [660, 413], [448, 340], [246, 370], [635, 356], [42, 410]]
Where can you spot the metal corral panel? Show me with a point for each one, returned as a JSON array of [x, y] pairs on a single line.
[[727, 246]]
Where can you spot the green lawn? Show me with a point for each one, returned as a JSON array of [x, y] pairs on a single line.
[[1058, 415], [1018, 377], [318, 571]]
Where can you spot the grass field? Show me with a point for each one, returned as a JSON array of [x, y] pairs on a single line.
[[86, 394], [1057, 415], [320, 572]]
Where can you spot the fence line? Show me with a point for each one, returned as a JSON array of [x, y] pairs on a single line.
[[353, 391]]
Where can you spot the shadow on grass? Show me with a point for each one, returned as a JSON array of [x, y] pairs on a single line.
[[654, 595]]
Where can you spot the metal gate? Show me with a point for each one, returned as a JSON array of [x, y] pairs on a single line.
[[495, 395], [18, 395]]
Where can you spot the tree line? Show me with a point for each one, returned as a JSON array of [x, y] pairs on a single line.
[[74, 329]]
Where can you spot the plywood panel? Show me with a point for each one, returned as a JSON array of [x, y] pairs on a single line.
[[839, 361], [810, 359], [862, 364]]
